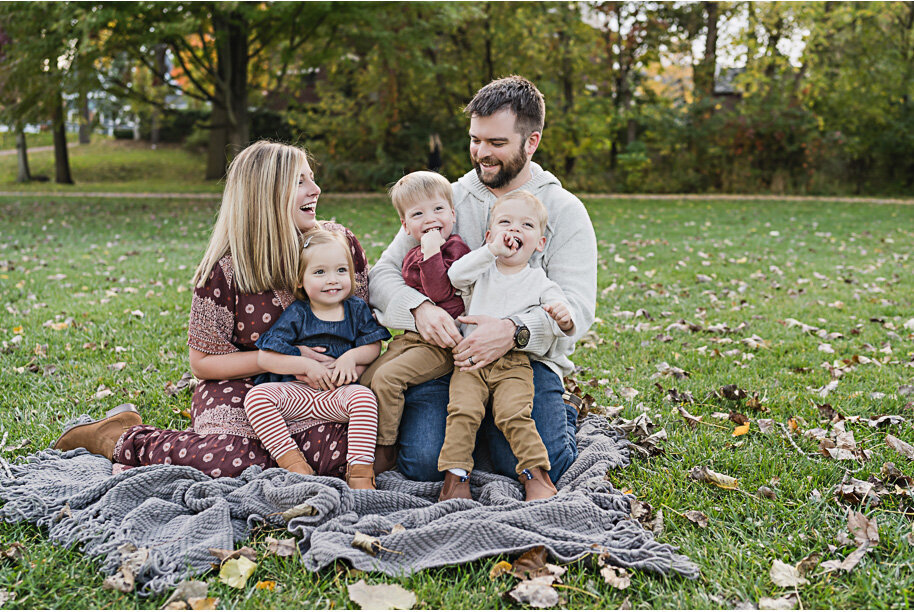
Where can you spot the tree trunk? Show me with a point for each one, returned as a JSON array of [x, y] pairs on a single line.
[[85, 127], [22, 157], [61, 157], [704, 72], [230, 131], [158, 81]]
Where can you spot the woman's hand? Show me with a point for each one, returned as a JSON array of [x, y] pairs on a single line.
[[317, 353], [318, 375], [344, 370]]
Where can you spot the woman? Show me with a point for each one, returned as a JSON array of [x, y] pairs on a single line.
[[243, 283]]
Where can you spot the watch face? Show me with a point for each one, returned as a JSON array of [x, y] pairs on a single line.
[[522, 337]]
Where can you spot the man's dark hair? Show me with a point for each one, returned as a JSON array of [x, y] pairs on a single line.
[[515, 93]]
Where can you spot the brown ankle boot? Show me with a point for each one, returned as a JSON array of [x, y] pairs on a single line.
[[455, 487], [101, 436], [360, 476], [537, 483], [294, 461], [385, 457]]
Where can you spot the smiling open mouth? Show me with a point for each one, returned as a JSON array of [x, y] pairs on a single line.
[[431, 229], [308, 207]]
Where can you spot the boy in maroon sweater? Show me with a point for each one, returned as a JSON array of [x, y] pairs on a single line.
[[426, 208]]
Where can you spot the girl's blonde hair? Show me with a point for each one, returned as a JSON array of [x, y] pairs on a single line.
[[313, 240], [255, 221]]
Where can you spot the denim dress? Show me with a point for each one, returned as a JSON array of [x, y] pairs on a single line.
[[298, 325]]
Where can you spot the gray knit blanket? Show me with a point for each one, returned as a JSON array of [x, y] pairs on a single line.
[[179, 513]]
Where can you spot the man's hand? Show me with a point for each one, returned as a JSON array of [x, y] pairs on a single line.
[[560, 313], [436, 326], [491, 339], [503, 244], [316, 353], [431, 243]]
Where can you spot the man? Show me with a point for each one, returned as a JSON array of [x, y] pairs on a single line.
[[506, 127]]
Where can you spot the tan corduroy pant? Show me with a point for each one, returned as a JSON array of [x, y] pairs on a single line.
[[409, 360], [508, 383]]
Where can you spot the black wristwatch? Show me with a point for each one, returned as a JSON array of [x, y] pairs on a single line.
[[521, 333]]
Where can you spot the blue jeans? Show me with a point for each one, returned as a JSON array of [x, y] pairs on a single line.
[[425, 413]]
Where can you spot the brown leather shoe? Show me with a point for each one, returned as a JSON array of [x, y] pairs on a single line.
[[455, 487], [294, 461], [360, 476], [100, 437], [385, 457], [537, 483]]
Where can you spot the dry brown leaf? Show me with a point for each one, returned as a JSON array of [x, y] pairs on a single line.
[[304, 509], [639, 510], [766, 493], [185, 591], [900, 446], [14, 551], [857, 492], [132, 559], [224, 554], [499, 569], [381, 596], [854, 558], [808, 563], [537, 592], [732, 392], [282, 548], [894, 476], [367, 543], [703, 474], [884, 420], [738, 418], [616, 577], [691, 420], [657, 524], [765, 426], [699, 518], [864, 530], [787, 602], [785, 575], [203, 603], [531, 564]]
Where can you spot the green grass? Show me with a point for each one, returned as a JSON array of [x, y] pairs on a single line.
[[42, 139], [124, 255], [108, 165]]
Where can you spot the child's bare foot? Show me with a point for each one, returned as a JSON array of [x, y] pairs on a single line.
[[294, 461]]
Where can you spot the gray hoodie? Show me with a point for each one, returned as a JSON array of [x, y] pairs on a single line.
[[569, 259]]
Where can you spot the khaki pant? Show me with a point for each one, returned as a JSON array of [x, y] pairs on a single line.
[[508, 383], [409, 360]]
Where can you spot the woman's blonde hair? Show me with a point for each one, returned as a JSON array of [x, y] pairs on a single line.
[[255, 223], [311, 241]]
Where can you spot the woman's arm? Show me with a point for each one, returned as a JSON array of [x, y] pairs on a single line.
[[241, 364]]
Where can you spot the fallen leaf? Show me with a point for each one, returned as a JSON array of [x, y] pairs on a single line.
[[699, 518], [738, 418], [703, 474], [530, 564], [732, 392], [894, 476], [691, 420], [282, 548], [186, 590], [499, 569], [639, 510], [367, 543], [203, 603], [6, 596], [132, 559], [900, 446], [766, 493], [865, 530], [266, 585], [224, 554], [765, 426], [784, 575], [235, 572], [787, 602], [808, 563], [857, 492], [304, 509], [616, 577], [657, 524], [741, 430], [628, 393], [187, 381], [14, 551], [397, 528], [382, 596], [854, 558], [116, 367], [883, 420]]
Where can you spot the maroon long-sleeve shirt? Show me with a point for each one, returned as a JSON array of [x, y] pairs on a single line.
[[430, 276]]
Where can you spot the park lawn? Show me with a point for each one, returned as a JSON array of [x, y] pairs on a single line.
[[90, 284], [122, 166]]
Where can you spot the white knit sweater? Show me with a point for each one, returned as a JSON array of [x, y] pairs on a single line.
[[569, 258]]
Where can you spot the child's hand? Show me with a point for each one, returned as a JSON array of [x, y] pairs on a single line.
[[431, 243], [503, 244], [321, 376], [344, 370], [560, 313]]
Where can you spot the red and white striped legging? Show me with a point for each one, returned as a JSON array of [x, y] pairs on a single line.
[[270, 405]]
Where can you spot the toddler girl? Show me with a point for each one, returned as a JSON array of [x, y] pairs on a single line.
[[326, 315]]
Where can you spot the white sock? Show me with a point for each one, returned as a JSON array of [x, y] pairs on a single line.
[[459, 472], [362, 462]]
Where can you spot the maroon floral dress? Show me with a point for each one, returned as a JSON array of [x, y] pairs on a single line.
[[221, 441]]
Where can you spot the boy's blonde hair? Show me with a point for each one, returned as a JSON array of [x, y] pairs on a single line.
[[539, 209], [255, 223], [313, 240], [418, 186]]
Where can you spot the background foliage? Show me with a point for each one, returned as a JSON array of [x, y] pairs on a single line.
[[800, 97]]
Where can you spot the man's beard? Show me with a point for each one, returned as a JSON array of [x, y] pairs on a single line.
[[507, 171]]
